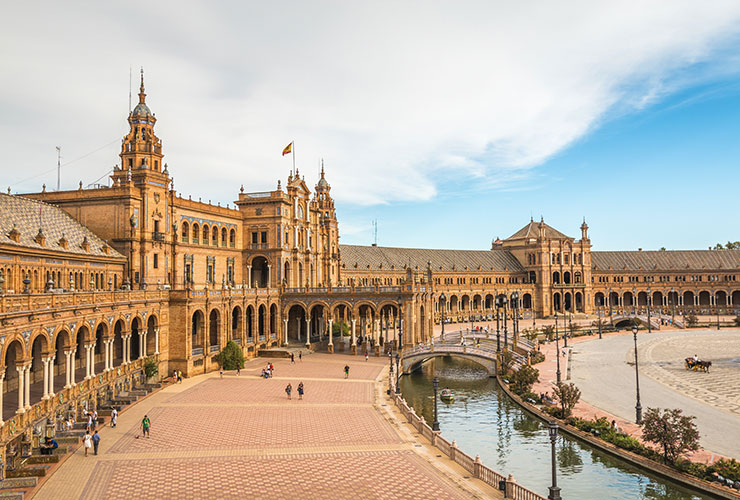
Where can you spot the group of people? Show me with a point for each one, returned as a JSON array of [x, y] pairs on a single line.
[[289, 390], [177, 376], [268, 370]]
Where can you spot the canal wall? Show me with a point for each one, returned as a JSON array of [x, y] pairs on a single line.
[[474, 466], [695, 483]]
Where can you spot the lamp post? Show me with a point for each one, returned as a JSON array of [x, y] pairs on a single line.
[[716, 307], [498, 319], [638, 406], [552, 429], [634, 300], [444, 308], [435, 424], [504, 301], [557, 347], [598, 315], [515, 312], [610, 305], [673, 306], [398, 373], [570, 324], [400, 325], [390, 372], [650, 328]]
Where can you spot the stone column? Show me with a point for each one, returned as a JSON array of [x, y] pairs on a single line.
[[72, 370], [21, 388], [285, 331], [376, 335], [269, 275], [87, 361], [67, 377], [249, 276], [92, 360], [142, 338], [27, 387], [2, 388], [106, 356], [45, 396], [156, 340], [354, 339], [127, 349], [51, 377], [308, 332], [331, 336]]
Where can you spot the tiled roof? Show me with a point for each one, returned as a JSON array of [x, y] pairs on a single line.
[[363, 256], [532, 230], [24, 214], [666, 260]]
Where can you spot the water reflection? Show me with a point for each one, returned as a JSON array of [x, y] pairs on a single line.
[[484, 421]]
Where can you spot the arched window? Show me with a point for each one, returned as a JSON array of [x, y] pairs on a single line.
[[214, 237], [185, 231], [223, 237], [196, 232], [577, 277], [206, 234], [232, 238]]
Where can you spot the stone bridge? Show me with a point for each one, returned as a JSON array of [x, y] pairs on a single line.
[[413, 358], [625, 318]]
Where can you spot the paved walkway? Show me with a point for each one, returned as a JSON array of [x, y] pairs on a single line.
[[604, 371], [241, 436]]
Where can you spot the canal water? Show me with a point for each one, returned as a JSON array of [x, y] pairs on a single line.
[[484, 421]]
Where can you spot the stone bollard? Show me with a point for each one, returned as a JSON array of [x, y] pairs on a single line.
[[434, 437], [453, 447], [476, 467], [510, 482]]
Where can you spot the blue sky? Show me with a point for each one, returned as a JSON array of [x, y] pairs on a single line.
[[665, 176], [448, 122]]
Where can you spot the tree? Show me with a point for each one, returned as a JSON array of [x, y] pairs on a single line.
[[523, 379], [691, 319], [662, 249], [340, 326], [670, 429], [568, 395], [530, 334], [572, 329], [151, 368], [549, 332], [231, 356]]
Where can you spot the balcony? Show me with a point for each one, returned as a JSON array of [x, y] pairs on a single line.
[[214, 348], [197, 351], [259, 246], [158, 236]]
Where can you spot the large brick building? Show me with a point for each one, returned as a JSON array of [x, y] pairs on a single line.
[[93, 282]]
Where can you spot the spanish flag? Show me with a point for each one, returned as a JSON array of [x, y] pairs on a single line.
[[288, 149]]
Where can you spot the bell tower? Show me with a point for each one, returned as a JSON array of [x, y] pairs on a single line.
[[141, 150], [328, 230]]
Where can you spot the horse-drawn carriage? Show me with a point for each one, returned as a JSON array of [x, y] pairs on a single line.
[[696, 365]]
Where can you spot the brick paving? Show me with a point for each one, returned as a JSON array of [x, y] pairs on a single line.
[[240, 436]]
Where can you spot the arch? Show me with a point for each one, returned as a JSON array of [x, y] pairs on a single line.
[[196, 232], [14, 357], [273, 320], [599, 299], [579, 302], [214, 236], [556, 301], [414, 362], [720, 298], [206, 234], [197, 330], [81, 340], [577, 277], [296, 322], [735, 296], [628, 299], [236, 323], [260, 269], [642, 298], [152, 324], [568, 301], [185, 231], [555, 278], [614, 300], [317, 319], [250, 323], [232, 238], [465, 303], [672, 297], [477, 302], [704, 298], [453, 303], [39, 350], [286, 275], [688, 299], [489, 301], [526, 301], [223, 237], [261, 321], [657, 299], [101, 333], [566, 277], [214, 327], [442, 303], [134, 342], [300, 274]]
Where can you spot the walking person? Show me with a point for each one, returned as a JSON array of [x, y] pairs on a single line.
[[95, 442], [89, 424], [95, 419], [145, 425], [238, 370], [365, 355], [289, 390], [300, 390], [113, 417], [87, 441], [221, 371], [179, 376], [346, 371], [300, 355], [292, 358]]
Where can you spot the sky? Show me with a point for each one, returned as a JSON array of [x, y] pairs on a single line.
[[450, 123]]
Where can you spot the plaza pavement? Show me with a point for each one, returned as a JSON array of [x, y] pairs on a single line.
[[604, 371], [241, 437]]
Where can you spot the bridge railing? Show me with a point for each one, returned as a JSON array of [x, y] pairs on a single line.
[[473, 466]]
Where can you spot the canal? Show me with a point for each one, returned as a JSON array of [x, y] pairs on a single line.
[[484, 421]]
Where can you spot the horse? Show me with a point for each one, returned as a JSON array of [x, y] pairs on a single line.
[[691, 364], [704, 365]]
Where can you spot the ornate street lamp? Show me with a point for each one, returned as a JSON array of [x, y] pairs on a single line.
[[638, 406], [515, 311], [435, 424], [552, 429], [444, 307], [398, 372], [390, 372], [400, 325], [673, 306], [504, 301], [598, 313], [557, 347], [650, 328], [498, 319]]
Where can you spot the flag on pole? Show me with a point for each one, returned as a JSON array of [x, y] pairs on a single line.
[[288, 149]]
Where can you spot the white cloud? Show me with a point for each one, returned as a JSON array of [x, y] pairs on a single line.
[[394, 95]]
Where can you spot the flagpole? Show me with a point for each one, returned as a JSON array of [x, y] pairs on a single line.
[[293, 155]]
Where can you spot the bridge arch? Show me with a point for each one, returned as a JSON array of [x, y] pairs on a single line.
[[413, 361]]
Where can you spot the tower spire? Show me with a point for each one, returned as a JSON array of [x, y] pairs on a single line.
[[142, 95]]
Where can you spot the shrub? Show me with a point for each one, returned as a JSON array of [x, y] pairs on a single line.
[[231, 356], [507, 360], [151, 368], [537, 357], [568, 395], [340, 326], [530, 334], [531, 397], [523, 379], [691, 320], [549, 332], [674, 432], [727, 468]]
